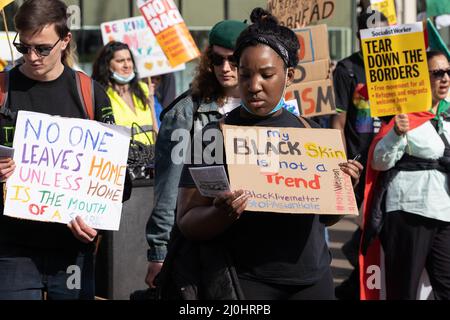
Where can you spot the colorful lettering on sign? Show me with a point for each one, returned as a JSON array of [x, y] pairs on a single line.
[[315, 151], [294, 182], [161, 15]]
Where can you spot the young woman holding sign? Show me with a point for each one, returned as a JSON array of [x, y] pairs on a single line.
[[276, 256]]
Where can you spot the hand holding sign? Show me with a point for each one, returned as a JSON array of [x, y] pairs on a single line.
[[232, 203], [401, 124], [81, 230], [7, 167], [353, 168]]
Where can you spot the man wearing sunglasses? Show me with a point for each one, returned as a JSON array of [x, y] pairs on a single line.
[[214, 93], [36, 256]]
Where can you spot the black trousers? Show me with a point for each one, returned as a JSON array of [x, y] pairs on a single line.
[[323, 289], [411, 244]]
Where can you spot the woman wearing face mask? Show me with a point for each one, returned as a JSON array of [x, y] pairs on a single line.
[[131, 99], [276, 256]]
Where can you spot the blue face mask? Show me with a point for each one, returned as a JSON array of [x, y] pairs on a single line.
[[280, 104], [277, 107], [121, 79]]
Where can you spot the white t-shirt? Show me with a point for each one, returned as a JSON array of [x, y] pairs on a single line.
[[229, 105]]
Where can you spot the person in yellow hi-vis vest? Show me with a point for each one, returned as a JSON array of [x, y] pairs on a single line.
[[131, 99]]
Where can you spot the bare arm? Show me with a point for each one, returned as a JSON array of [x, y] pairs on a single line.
[[338, 121], [201, 218]]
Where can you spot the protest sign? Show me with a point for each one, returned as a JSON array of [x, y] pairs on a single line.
[[396, 69], [150, 59], [5, 52], [4, 3], [297, 13], [289, 170], [172, 34], [386, 7], [67, 168], [312, 91]]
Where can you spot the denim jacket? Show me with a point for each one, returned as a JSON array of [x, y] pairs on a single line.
[[167, 174]]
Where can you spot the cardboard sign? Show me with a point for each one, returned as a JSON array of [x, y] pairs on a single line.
[[289, 170], [312, 71], [67, 168], [396, 69], [150, 59], [386, 7], [315, 98], [5, 52], [313, 43], [297, 13], [312, 91], [168, 26]]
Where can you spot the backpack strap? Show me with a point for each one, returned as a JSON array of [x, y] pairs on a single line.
[[85, 88], [4, 84], [304, 122]]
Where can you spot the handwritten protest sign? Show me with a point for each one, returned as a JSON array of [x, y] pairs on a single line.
[[312, 91], [67, 168], [289, 170], [396, 69], [386, 7], [169, 28], [297, 13], [150, 59]]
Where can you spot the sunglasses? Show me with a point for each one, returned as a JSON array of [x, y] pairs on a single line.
[[41, 50], [440, 73], [218, 60]]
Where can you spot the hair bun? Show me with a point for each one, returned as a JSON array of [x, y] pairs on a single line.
[[261, 16]]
